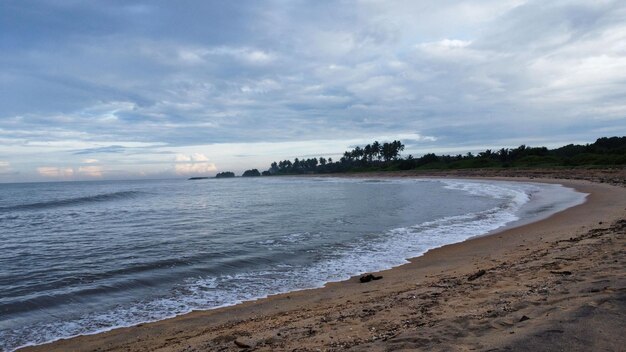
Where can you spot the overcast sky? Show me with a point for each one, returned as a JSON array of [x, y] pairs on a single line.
[[131, 89]]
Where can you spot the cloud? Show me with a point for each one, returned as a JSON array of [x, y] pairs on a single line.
[[100, 150], [90, 171], [195, 157], [5, 169], [124, 80], [55, 172], [90, 161], [65, 172], [182, 158], [194, 169], [127, 148], [445, 45], [193, 164]]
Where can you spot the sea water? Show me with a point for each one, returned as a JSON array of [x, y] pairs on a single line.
[[85, 257]]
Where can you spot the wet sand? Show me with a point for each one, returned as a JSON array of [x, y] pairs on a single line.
[[558, 284]]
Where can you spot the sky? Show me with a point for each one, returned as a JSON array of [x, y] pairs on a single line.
[[129, 89]]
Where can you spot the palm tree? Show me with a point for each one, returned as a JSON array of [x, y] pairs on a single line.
[[357, 153], [367, 151], [347, 156], [376, 149], [397, 147]]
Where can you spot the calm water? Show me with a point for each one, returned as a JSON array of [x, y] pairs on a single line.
[[79, 258]]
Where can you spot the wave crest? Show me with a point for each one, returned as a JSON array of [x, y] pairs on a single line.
[[104, 197]]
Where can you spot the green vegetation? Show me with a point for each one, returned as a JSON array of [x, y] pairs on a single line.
[[604, 152], [251, 173], [225, 174]]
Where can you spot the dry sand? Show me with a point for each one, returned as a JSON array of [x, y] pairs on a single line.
[[554, 285]]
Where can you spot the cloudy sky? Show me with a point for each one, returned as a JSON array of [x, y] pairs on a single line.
[[131, 89]]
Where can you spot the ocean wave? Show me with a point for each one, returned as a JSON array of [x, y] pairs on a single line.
[[518, 193], [104, 197]]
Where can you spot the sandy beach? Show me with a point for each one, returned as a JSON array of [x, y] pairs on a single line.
[[558, 284]]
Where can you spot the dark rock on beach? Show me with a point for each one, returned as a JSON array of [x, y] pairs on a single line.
[[476, 275], [241, 344], [369, 277]]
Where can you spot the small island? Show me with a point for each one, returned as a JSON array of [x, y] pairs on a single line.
[[198, 178], [251, 173], [225, 174]]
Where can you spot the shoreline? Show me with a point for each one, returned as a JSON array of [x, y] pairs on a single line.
[[241, 325]]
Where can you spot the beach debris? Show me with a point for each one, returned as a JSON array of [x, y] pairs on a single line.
[[476, 275], [369, 277], [523, 318], [242, 344], [564, 272]]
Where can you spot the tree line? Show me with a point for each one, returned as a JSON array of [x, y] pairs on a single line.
[[368, 155], [376, 156]]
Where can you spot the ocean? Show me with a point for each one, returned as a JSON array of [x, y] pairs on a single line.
[[85, 257]]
